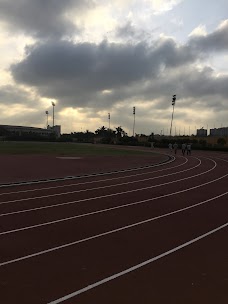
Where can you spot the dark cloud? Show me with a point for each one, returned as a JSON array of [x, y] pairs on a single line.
[[42, 18], [205, 83], [78, 73], [172, 55], [130, 32], [216, 41], [117, 75], [112, 76], [12, 95], [126, 30], [195, 89]]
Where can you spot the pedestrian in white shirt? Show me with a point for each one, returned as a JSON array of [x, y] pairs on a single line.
[[175, 147], [170, 147], [188, 149], [183, 147]]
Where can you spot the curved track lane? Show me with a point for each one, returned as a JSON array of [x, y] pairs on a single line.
[[119, 238]]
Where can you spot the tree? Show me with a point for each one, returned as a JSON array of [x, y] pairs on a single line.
[[120, 132], [102, 131]]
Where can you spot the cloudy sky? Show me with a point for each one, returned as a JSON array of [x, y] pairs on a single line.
[[95, 57]]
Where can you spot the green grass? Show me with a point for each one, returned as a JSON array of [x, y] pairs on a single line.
[[55, 148]]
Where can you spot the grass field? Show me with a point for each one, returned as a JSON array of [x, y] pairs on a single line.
[[55, 148]]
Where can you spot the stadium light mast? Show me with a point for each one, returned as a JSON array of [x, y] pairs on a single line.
[[53, 105], [134, 121], [46, 112], [173, 104], [109, 120]]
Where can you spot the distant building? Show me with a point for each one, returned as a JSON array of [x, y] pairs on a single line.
[[22, 130], [56, 130], [201, 132], [219, 132]]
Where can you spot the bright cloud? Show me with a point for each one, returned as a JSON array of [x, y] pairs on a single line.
[[199, 31], [162, 6]]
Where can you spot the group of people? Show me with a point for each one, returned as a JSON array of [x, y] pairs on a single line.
[[184, 148]]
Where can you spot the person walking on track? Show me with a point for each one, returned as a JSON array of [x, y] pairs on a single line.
[[183, 147], [175, 147], [188, 149], [170, 147]]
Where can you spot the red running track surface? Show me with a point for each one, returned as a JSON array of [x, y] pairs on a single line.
[[153, 235]]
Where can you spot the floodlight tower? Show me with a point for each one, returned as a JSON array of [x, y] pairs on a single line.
[[173, 104], [46, 112], [109, 120], [134, 121], [53, 105]]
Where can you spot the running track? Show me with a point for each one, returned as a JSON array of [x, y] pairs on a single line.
[[152, 235]]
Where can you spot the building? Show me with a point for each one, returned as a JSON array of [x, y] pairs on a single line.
[[22, 130], [219, 132], [201, 132], [55, 129]]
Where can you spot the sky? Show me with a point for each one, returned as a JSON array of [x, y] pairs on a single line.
[[95, 57]]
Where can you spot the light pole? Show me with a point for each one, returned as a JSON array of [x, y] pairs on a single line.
[[46, 112], [53, 105], [134, 121], [173, 104], [109, 120]]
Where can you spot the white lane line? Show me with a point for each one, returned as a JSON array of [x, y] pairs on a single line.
[[96, 188], [68, 157], [91, 182], [104, 233], [51, 180], [110, 209], [128, 270], [225, 160], [114, 194]]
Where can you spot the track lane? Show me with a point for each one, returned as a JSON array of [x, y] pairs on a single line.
[[77, 260], [211, 215], [99, 224], [88, 172], [195, 274], [35, 218], [90, 181], [124, 189]]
